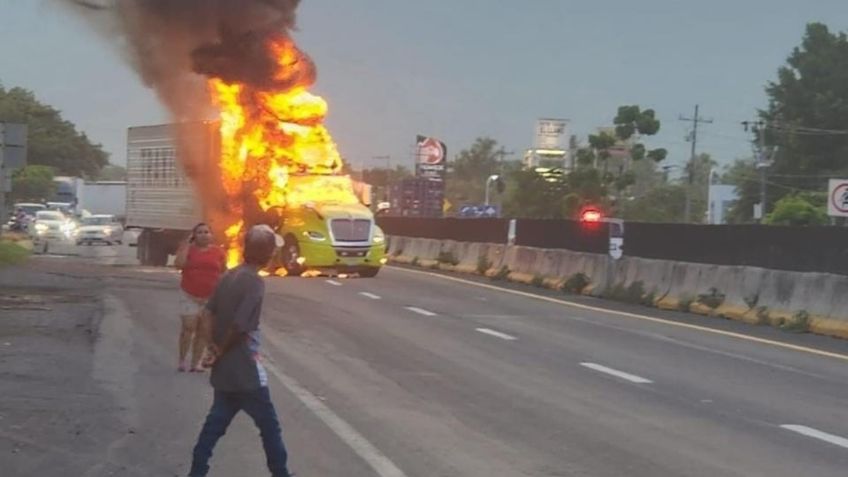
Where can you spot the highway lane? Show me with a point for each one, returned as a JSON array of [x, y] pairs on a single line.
[[525, 374], [414, 374]]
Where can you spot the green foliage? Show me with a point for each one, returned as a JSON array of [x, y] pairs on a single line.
[[12, 253], [808, 98], [502, 274], [664, 203], [713, 298], [576, 283], [635, 293], [630, 121], [752, 300], [414, 261], [32, 183], [112, 172], [52, 141], [467, 174], [799, 323], [796, 210], [538, 281], [447, 257], [483, 264]]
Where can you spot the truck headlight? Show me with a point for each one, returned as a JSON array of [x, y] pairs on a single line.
[[41, 228], [379, 238], [313, 235], [107, 230]]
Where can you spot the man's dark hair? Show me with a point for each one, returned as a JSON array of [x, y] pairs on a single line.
[[259, 245]]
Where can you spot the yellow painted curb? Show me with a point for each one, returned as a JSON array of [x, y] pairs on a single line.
[[519, 277], [829, 327], [668, 303]]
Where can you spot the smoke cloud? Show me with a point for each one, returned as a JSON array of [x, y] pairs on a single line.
[[176, 45]]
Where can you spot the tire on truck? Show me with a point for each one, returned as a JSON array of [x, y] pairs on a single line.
[[153, 248]]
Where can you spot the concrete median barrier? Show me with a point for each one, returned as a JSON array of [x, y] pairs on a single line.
[[817, 302]]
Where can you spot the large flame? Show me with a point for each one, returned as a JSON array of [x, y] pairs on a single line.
[[275, 152]]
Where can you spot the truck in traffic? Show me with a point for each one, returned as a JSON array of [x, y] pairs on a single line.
[[336, 235]]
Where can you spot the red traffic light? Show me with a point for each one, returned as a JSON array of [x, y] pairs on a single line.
[[591, 215]]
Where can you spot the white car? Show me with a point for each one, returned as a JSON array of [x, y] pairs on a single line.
[[49, 225], [99, 228]]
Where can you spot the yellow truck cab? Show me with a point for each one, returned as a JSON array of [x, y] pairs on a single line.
[[328, 227]]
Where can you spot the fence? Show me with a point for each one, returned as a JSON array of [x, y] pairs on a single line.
[[804, 249]]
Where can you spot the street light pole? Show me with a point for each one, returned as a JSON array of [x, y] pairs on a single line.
[[491, 179]]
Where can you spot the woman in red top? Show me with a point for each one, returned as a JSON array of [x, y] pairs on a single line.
[[202, 264]]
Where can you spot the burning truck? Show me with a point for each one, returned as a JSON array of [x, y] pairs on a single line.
[[324, 219], [267, 158]]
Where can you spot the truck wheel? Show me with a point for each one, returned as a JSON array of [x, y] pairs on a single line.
[[290, 254], [369, 272]]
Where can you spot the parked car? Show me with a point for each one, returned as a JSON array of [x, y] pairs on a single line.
[[99, 229], [49, 225]]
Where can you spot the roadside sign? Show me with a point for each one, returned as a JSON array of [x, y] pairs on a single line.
[[837, 204], [13, 145], [616, 237], [480, 211]]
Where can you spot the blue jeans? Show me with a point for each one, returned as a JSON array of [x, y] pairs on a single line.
[[257, 404]]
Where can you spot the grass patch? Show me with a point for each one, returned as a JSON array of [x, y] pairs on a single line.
[[576, 283], [538, 281], [799, 323], [12, 253], [414, 262], [713, 298], [685, 303], [447, 257], [434, 266], [752, 300], [762, 315], [502, 274], [483, 264], [635, 293]]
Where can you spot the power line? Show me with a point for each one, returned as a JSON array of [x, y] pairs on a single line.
[[693, 137]]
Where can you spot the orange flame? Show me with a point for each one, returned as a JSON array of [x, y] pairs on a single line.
[[269, 137]]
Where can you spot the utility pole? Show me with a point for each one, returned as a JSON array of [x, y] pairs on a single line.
[[690, 168], [759, 128]]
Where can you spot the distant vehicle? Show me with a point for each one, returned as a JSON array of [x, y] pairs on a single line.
[[49, 225], [65, 208], [102, 197], [99, 229], [23, 213]]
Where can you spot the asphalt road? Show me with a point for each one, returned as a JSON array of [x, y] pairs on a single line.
[[416, 374]]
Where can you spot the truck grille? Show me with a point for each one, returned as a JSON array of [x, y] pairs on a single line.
[[351, 230]]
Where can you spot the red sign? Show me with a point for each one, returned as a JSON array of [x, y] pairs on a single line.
[[431, 151]]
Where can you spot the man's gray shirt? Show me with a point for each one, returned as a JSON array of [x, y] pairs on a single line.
[[237, 302]]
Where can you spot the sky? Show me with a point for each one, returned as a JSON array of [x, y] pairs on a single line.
[[461, 69]]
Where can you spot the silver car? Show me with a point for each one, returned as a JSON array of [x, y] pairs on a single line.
[[99, 229], [49, 226]]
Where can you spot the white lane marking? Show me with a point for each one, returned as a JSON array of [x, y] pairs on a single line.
[[778, 344], [420, 311], [334, 283], [619, 374], [381, 464], [370, 295], [817, 434], [497, 334]]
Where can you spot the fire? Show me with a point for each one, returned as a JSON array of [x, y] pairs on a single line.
[[270, 138]]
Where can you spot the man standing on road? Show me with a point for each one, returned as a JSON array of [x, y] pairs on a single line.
[[238, 377]]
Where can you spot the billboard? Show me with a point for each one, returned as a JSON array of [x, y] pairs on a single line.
[[551, 134], [431, 157]]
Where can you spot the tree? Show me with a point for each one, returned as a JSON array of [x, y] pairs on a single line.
[[531, 195], [32, 183], [664, 203], [797, 210], [52, 141], [806, 120], [632, 121], [112, 172], [744, 175], [466, 178]]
